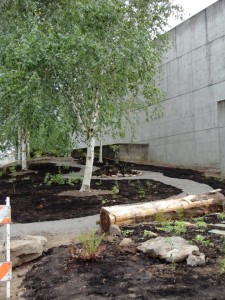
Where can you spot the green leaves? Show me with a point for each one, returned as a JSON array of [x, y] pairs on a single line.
[[91, 60]]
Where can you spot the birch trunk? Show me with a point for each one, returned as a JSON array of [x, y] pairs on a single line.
[[100, 152], [24, 151], [28, 147], [19, 158], [88, 167]]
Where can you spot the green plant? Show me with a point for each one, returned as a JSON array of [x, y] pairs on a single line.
[[58, 178], [115, 190], [221, 216], [173, 265], [178, 227], [200, 222], [98, 183], [74, 178], [222, 266], [202, 240], [149, 233], [218, 178], [12, 170], [127, 232], [222, 263], [89, 247], [104, 201], [26, 178], [141, 193], [2, 172]]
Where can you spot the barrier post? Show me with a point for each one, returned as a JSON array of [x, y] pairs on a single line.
[[6, 267]]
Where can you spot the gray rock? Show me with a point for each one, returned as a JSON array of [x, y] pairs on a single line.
[[119, 175], [172, 249], [26, 249], [196, 260], [114, 230], [126, 242]]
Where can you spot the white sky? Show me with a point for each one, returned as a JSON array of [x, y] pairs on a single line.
[[191, 7]]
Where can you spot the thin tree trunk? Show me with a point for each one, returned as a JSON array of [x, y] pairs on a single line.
[[88, 167], [28, 146], [100, 152], [24, 150], [19, 158]]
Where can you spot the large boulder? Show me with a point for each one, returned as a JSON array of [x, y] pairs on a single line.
[[172, 249], [26, 249]]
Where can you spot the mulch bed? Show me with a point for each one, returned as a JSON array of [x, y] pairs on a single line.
[[33, 200], [119, 273], [127, 274]]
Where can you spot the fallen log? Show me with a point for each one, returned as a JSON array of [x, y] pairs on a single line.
[[189, 206]]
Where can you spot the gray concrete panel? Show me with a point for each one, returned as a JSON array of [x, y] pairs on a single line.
[[191, 34], [207, 147], [185, 73], [172, 79], [215, 20], [221, 123], [205, 109], [217, 60], [200, 67], [181, 149]]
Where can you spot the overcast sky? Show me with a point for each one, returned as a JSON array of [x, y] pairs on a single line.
[[191, 7]]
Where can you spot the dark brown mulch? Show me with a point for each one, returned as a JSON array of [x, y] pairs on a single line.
[[32, 200], [118, 274], [128, 274]]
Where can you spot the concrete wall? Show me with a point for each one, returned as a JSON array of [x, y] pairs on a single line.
[[193, 77]]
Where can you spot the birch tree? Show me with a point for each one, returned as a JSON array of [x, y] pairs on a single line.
[[27, 111], [98, 60], [103, 59]]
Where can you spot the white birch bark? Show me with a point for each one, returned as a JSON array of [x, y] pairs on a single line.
[[100, 152], [28, 147], [88, 132], [24, 150], [88, 167], [19, 146]]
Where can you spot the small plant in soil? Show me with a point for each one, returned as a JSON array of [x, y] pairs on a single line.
[[127, 232], [141, 193], [26, 178], [74, 179], [98, 183], [148, 233], [58, 179], [178, 227], [115, 190], [222, 264], [104, 201], [200, 222], [202, 240], [221, 216], [88, 248], [12, 171], [2, 172]]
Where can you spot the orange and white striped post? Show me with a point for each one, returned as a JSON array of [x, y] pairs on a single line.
[[6, 267]]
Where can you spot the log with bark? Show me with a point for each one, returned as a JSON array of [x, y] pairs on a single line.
[[189, 206]]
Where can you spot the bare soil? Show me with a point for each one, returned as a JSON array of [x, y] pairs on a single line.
[[120, 273]]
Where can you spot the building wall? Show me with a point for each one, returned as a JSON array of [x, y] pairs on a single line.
[[193, 76]]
